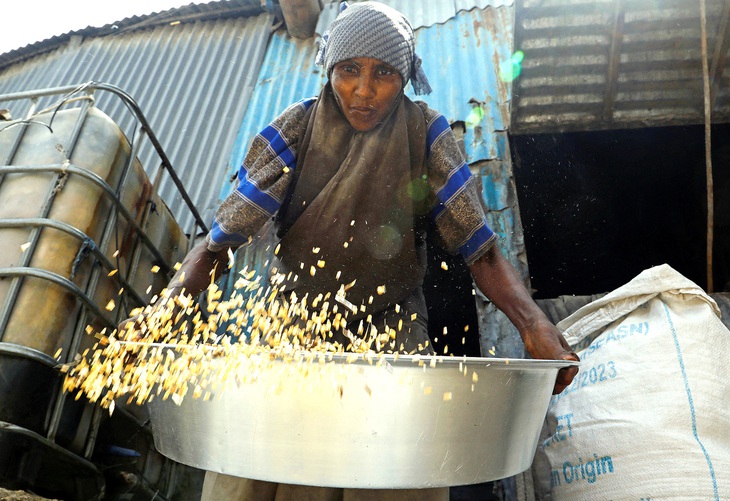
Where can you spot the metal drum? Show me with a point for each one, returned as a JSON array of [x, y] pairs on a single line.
[[81, 226], [406, 422]]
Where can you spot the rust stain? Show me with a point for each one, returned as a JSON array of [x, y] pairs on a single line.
[[477, 27]]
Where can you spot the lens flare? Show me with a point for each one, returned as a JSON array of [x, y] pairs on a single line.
[[475, 117], [510, 69]]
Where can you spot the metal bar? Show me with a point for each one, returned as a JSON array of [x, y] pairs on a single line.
[[109, 228], [614, 59], [79, 235], [57, 410], [135, 109], [51, 91], [708, 146], [76, 132], [137, 252], [153, 138], [19, 136], [57, 279], [96, 416], [92, 284], [101, 183], [35, 233], [29, 353]]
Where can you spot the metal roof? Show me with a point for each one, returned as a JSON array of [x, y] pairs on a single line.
[[600, 64], [202, 11], [420, 13], [461, 59], [192, 81]]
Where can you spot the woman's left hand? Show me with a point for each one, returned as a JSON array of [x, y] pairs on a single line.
[[543, 340]]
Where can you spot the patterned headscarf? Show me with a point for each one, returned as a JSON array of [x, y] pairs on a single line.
[[372, 29]]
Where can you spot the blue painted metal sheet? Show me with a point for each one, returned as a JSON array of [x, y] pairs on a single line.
[[462, 59], [287, 75]]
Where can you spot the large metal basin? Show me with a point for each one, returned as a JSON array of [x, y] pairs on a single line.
[[397, 424]]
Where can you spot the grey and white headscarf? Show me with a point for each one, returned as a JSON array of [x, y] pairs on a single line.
[[372, 29]]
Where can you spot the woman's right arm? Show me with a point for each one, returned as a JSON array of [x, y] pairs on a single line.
[[263, 180]]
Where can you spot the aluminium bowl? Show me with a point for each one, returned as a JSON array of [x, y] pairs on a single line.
[[388, 422]]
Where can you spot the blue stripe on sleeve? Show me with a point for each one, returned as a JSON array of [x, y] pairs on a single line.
[[274, 138], [263, 200], [279, 146], [287, 156], [249, 191], [454, 184], [476, 241], [436, 211], [220, 237], [307, 102]]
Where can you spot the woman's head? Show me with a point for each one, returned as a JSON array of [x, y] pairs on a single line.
[[365, 90], [369, 55]]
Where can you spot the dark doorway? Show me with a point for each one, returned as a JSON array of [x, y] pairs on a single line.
[[452, 314], [599, 207]]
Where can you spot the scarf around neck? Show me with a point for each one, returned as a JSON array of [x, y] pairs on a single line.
[[351, 219]]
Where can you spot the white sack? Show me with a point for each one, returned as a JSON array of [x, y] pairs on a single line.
[[648, 416]]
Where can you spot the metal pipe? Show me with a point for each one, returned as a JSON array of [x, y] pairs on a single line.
[[77, 234], [165, 161], [300, 16], [19, 136], [58, 280], [102, 184]]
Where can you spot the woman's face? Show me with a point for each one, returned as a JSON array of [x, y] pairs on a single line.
[[365, 89]]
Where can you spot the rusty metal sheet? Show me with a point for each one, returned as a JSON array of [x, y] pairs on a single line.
[[616, 64]]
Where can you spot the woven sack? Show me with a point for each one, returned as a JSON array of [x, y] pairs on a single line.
[[648, 416]]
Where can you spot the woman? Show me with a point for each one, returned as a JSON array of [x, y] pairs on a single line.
[[351, 178]]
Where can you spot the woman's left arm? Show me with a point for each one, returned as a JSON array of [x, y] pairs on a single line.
[[499, 281]]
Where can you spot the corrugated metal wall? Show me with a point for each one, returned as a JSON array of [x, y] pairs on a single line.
[[604, 64], [461, 56], [193, 81]]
